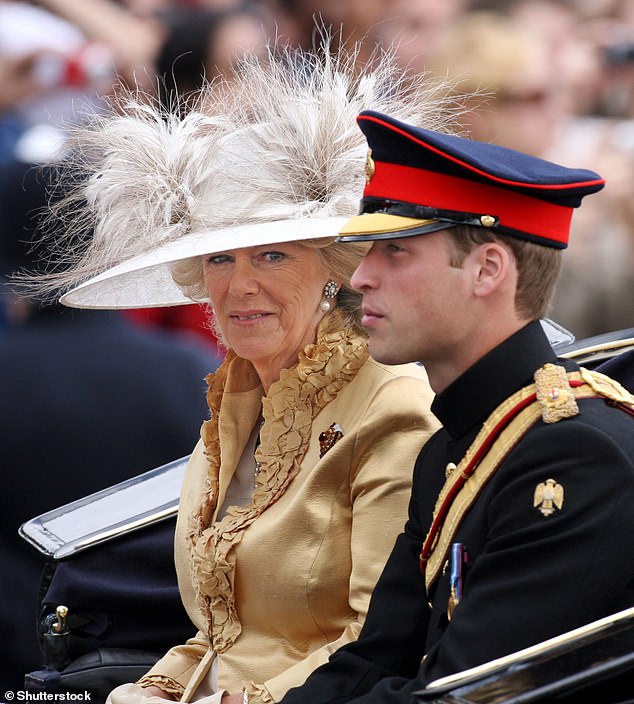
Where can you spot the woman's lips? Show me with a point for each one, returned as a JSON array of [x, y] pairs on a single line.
[[248, 316]]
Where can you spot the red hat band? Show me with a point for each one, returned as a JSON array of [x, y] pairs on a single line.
[[513, 211]]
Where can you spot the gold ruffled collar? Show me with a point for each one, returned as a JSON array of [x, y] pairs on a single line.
[[288, 411]]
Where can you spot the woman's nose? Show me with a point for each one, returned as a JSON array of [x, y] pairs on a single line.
[[243, 279]]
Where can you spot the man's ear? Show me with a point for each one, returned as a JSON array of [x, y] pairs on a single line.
[[493, 263]]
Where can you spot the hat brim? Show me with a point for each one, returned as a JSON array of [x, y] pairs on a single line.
[[383, 226], [145, 281]]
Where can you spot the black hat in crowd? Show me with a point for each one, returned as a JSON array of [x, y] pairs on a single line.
[[419, 181]]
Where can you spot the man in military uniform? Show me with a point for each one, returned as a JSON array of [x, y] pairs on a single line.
[[520, 523]]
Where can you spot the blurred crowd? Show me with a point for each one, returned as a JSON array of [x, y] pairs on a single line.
[[554, 78]]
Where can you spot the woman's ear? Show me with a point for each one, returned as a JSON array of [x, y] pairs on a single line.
[[493, 264]]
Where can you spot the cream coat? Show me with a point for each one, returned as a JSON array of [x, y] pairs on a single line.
[[306, 567]]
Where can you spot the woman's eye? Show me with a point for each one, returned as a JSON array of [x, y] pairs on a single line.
[[215, 259], [394, 248], [273, 256]]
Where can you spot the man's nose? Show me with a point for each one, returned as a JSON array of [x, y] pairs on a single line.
[[364, 276]]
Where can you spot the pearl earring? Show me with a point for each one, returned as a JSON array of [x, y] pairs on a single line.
[[331, 289]]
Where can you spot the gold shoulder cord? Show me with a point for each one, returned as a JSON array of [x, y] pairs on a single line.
[[552, 398]]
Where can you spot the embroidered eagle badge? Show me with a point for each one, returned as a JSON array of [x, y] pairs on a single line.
[[549, 496]]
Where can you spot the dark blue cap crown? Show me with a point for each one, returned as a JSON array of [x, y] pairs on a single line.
[[423, 174]]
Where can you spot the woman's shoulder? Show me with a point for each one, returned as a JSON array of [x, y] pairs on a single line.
[[384, 373], [402, 386], [387, 398]]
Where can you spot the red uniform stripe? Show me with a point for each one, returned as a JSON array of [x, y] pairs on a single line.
[[439, 519]]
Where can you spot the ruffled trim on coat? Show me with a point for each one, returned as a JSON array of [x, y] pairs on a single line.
[[259, 694], [288, 411], [167, 684]]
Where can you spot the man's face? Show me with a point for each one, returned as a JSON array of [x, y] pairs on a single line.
[[414, 301]]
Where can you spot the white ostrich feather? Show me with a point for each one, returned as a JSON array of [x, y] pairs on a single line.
[[279, 141]]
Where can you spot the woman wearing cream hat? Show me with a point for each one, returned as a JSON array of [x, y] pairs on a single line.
[[299, 485]]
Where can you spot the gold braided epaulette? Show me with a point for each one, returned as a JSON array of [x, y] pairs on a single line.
[[554, 394], [553, 397], [607, 387]]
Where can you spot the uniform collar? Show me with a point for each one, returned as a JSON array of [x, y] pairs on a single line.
[[471, 398]]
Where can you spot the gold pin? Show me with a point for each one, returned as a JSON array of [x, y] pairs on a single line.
[[449, 470], [61, 625], [549, 495], [452, 603], [370, 168], [487, 220]]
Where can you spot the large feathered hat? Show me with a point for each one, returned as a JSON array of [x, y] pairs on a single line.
[[272, 156]]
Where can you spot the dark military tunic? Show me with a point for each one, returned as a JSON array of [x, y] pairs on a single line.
[[529, 576]]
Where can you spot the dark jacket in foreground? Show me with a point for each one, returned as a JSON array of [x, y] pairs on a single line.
[[88, 400], [529, 576]]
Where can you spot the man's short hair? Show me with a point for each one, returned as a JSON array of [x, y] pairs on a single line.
[[538, 266]]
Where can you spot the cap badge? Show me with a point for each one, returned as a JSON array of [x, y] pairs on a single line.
[[369, 167], [487, 220], [554, 394], [549, 495], [329, 437]]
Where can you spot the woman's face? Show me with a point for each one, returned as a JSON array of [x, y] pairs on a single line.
[[266, 302]]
